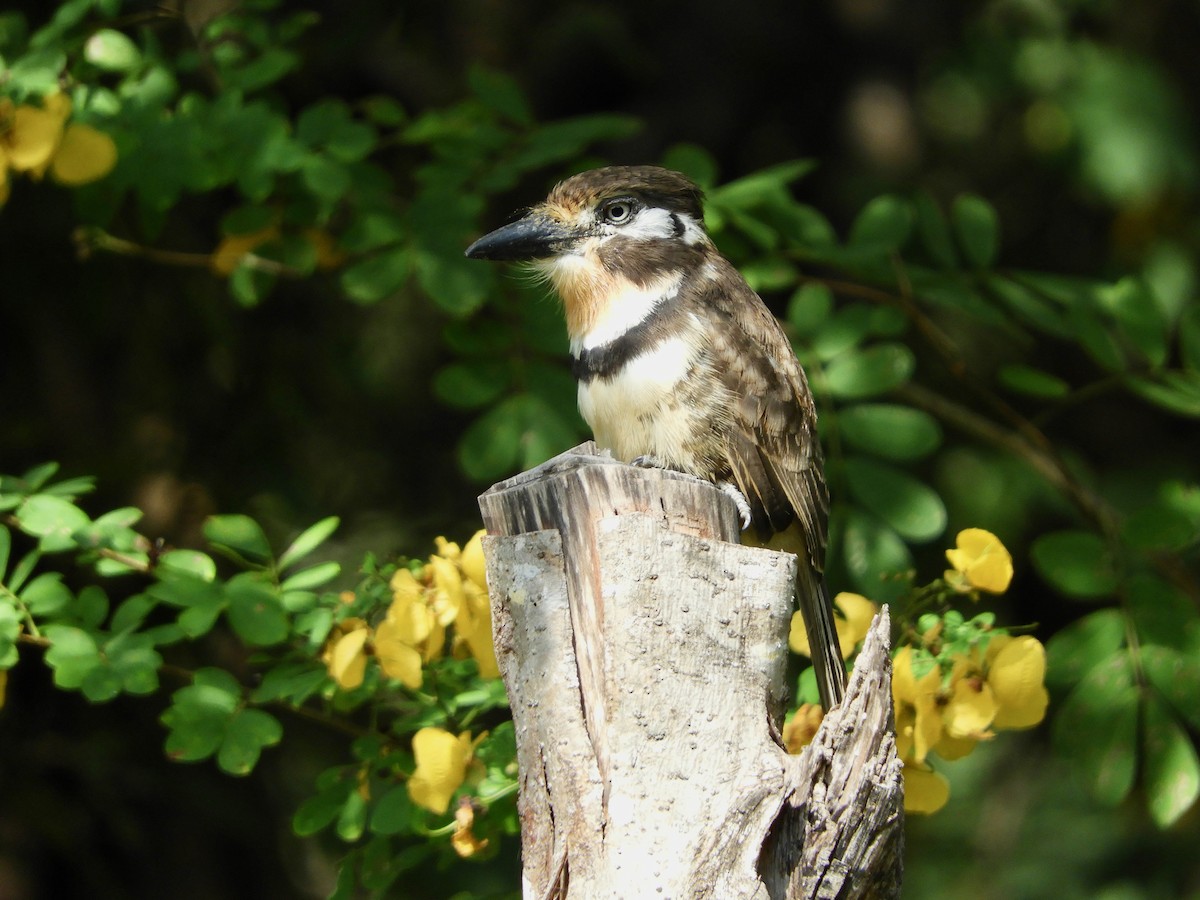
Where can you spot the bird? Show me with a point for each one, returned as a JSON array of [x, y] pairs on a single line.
[[681, 365]]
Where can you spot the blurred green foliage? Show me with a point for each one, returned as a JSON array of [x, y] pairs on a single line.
[[1051, 401]]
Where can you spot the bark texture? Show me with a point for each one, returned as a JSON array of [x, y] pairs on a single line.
[[645, 652]]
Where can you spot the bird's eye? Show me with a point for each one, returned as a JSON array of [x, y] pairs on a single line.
[[618, 212]]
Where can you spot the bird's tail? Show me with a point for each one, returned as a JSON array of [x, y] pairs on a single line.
[[816, 608]]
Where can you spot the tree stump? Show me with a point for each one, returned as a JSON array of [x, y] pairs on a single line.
[[645, 651]]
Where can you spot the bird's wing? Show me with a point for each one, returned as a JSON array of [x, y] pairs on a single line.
[[773, 450]]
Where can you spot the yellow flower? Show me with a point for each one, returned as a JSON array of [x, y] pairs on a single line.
[[801, 728], [473, 629], [345, 653], [448, 597], [410, 634], [918, 717], [1016, 674], [925, 791], [36, 139], [980, 562], [441, 767], [857, 613], [84, 155], [472, 562], [463, 840], [970, 708]]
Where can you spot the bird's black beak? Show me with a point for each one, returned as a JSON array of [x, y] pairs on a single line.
[[536, 236]]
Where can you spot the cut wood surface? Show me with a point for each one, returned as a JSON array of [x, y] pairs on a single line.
[[645, 655]]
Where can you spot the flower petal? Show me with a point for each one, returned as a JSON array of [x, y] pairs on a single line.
[[84, 155], [925, 791], [441, 767]]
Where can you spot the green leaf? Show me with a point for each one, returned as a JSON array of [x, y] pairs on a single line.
[[135, 661], [131, 613], [693, 161], [884, 224], [977, 228], [1176, 675], [934, 231], [491, 446], [910, 507], [294, 682], [1095, 335], [308, 541], [312, 577], [10, 630], [188, 562], [889, 430], [239, 534], [199, 715], [255, 612], [500, 93], [353, 818], [246, 735], [844, 330], [1137, 315], [23, 569], [874, 554], [809, 307], [46, 595], [378, 276], [1172, 772], [90, 608], [1176, 391], [1033, 382], [112, 51], [1096, 729], [53, 520], [393, 812], [858, 374], [472, 384], [72, 654], [1189, 338], [1160, 527], [5, 550], [101, 684], [319, 810], [1077, 563], [1082, 645], [1162, 614], [762, 186], [1028, 306]]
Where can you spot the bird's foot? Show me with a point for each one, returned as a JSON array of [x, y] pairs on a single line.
[[648, 462], [739, 500]]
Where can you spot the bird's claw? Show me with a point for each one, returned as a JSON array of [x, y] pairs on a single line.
[[647, 462], [739, 500]]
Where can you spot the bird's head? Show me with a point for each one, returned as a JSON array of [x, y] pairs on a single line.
[[604, 232]]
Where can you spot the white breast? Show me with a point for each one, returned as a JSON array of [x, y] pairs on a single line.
[[635, 412]]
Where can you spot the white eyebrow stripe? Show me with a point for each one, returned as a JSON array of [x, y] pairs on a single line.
[[651, 223]]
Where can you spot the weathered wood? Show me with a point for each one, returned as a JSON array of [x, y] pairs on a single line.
[[644, 652]]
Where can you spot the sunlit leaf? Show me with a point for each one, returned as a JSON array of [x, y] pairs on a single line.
[[1172, 767]]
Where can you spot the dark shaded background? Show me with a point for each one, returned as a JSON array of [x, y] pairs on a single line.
[[182, 404]]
